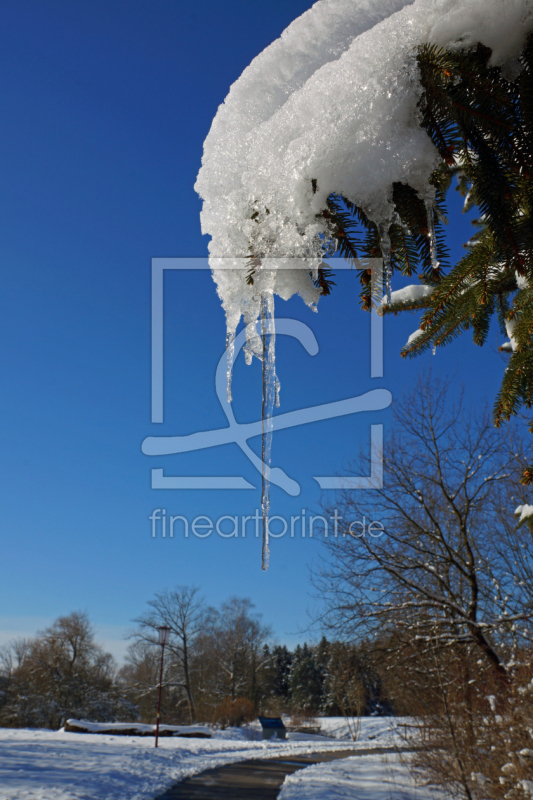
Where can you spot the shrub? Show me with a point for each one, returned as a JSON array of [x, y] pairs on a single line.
[[234, 712]]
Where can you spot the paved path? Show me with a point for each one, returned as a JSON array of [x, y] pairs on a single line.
[[258, 779]]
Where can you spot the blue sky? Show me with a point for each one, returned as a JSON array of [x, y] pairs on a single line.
[[105, 107]]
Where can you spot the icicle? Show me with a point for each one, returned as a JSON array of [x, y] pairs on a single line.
[[431, 208], [270, 397], [431, 235], [441, 216], [330, 248], [278, 389], [230, 354], [254, 344], [385, 251]]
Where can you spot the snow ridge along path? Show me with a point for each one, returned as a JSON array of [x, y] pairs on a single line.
[[370, 777]]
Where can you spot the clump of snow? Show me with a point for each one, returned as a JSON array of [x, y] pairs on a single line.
[[408, 294], [524, 512], [413, 336], [521, 281], [510, 325], [331, 106]]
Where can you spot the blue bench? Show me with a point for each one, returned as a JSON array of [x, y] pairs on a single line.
[[273, 728]]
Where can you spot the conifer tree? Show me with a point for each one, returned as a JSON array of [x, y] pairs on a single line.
[[282, 659], [480, 119], [306, 680]]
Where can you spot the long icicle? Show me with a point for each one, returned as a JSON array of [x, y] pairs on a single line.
[[270, 398], [265, 486], [385, 245], [430, 208], [230, 353], [431, 235]]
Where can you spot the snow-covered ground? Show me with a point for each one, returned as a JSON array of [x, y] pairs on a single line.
[[55, 765], [379, 777], [386, 729]]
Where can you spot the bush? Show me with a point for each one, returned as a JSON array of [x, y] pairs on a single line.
[[476, 737], [234, 712], [303, 721]]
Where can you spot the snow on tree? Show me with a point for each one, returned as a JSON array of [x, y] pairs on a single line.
[[356, 119], [330, 108]]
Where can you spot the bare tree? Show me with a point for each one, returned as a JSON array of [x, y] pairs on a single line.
[[14, 655], [434, 568], [139, 677], [183, 610], [443, 586], [344, 687], [235, 639]]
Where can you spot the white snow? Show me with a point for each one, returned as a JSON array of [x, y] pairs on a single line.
[[414, 336], [333, 100], [522, 281], [55, 765], [386, 729], [510, 325], [376, 777], [140, 728], [408, 294], [524, 512]]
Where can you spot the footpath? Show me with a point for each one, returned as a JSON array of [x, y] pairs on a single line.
[[257, 779]]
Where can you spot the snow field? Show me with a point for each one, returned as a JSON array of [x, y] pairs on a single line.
[[376, 777], [54, 765]]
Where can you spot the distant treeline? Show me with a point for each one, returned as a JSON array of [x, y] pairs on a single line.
[[220, 666]]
